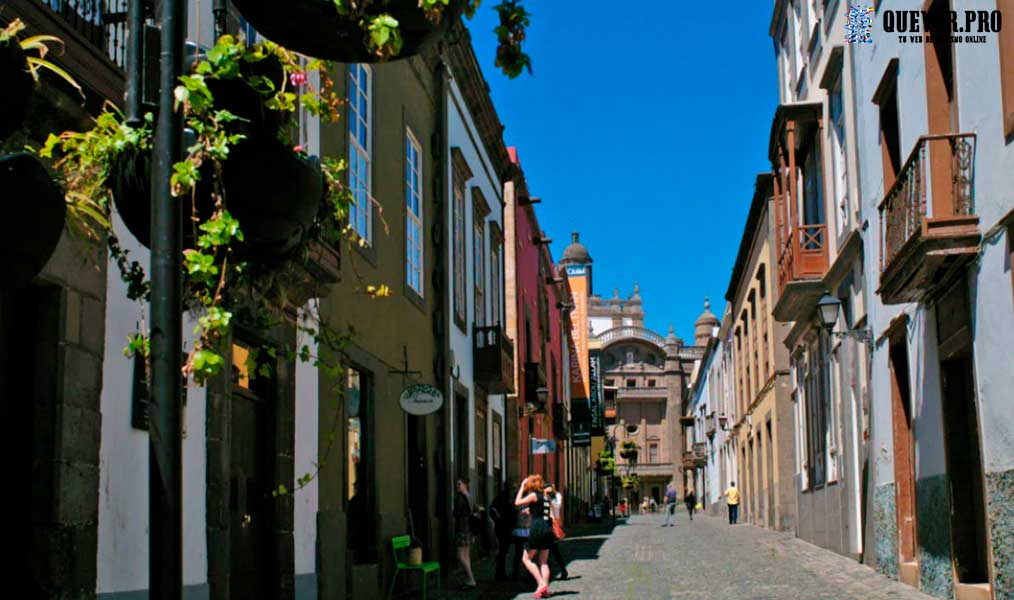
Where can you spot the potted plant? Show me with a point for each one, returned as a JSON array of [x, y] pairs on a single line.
[[20, 63], [367, 31], [35, 210], [35, 204], [629, 450], [244, 190], [631, 482]]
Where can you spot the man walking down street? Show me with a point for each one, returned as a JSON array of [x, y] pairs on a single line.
[[670, 505], [732, 499]]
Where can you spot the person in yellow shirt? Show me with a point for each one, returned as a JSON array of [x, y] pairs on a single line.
[[732, 499]]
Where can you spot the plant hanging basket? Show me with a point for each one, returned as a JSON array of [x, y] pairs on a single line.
[[274, 193], [18, 86], [35, 215], [314, 27]]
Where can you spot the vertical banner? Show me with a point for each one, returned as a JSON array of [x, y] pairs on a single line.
[[596, 403]]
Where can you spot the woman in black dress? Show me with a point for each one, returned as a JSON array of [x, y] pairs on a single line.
[[541, 536]]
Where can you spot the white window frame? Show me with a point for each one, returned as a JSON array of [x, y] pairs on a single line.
[[361, 151], [414, 245], [839, 150]]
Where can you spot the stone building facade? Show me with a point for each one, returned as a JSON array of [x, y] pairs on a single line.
[[649, 374]]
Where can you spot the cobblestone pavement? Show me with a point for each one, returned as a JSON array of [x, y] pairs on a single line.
[[697, 560]]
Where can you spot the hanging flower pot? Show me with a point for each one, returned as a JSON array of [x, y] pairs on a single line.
[[316, 28], [35, 212], [239, 98], [18, 86], [272, 191]]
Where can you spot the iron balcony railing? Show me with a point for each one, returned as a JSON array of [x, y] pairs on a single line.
[[102, 23], [905, 205]]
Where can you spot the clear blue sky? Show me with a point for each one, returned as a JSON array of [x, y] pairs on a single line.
[[642, 129]]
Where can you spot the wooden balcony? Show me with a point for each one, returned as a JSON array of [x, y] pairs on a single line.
[[94, 33], [494, 360], [801, 238], [928, 227], [802, 263]]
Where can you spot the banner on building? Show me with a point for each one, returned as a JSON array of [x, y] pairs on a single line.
[[541, 446], [580, 423], [596, 398]]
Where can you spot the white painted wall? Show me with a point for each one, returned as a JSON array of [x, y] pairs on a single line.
[[306, 458], [463, 134], [977, 75], [122, 561]]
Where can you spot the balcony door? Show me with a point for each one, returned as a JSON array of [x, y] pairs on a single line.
[[941, 104]]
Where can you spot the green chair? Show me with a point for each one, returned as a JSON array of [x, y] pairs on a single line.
[[398, 545]]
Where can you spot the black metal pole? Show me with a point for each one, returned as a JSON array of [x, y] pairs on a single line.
[[165, 560], [135, 61]]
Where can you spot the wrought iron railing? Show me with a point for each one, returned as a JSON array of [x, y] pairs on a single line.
[[102, 23], [905, 205]]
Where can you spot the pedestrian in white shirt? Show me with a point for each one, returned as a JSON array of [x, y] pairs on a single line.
[[556, 509]]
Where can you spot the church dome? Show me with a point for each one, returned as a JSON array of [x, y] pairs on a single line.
[[575, 253], [705, 324]]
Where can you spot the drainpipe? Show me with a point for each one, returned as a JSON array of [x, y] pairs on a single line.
[[165, 474], [443, 249]]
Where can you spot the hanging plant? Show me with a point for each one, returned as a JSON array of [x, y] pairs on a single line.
[[21, 61], [629, 450], [357, 31], [631, 482], [34, 203], [246, 192]]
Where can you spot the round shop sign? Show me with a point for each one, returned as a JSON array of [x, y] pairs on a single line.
[[421, 400]]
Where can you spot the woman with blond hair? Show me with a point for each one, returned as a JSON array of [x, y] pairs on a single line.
[[540, 536]]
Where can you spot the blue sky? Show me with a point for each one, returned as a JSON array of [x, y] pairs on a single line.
[[642, 129]]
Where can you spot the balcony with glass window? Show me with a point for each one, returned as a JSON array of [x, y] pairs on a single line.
[[928, 227], [494, 360], [801, 235], [94, 34]]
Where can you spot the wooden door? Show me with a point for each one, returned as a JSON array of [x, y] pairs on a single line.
[[251, 482], [904, 473]]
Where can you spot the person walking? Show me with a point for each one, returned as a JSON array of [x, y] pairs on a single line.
[[556, 508], [670, 505], [691, 499], [463, 532], [652, 504], [732, 500], [505, 517], [540, 537], [519, 537]]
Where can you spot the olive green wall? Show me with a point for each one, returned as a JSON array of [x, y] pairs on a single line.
[[405, 94]]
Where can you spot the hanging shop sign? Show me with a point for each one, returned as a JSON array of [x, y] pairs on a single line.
[[421, 400], [595, 398], [541, 446], [580, 423]]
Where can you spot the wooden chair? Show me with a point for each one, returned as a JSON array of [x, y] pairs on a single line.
[[398, 545]]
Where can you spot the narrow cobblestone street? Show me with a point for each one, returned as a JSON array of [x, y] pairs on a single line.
[[705, 559]]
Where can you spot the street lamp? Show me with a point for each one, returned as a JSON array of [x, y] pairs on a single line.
[[828, 308]]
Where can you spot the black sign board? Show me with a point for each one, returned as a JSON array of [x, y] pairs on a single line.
[[596, 402], [580, 423]]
